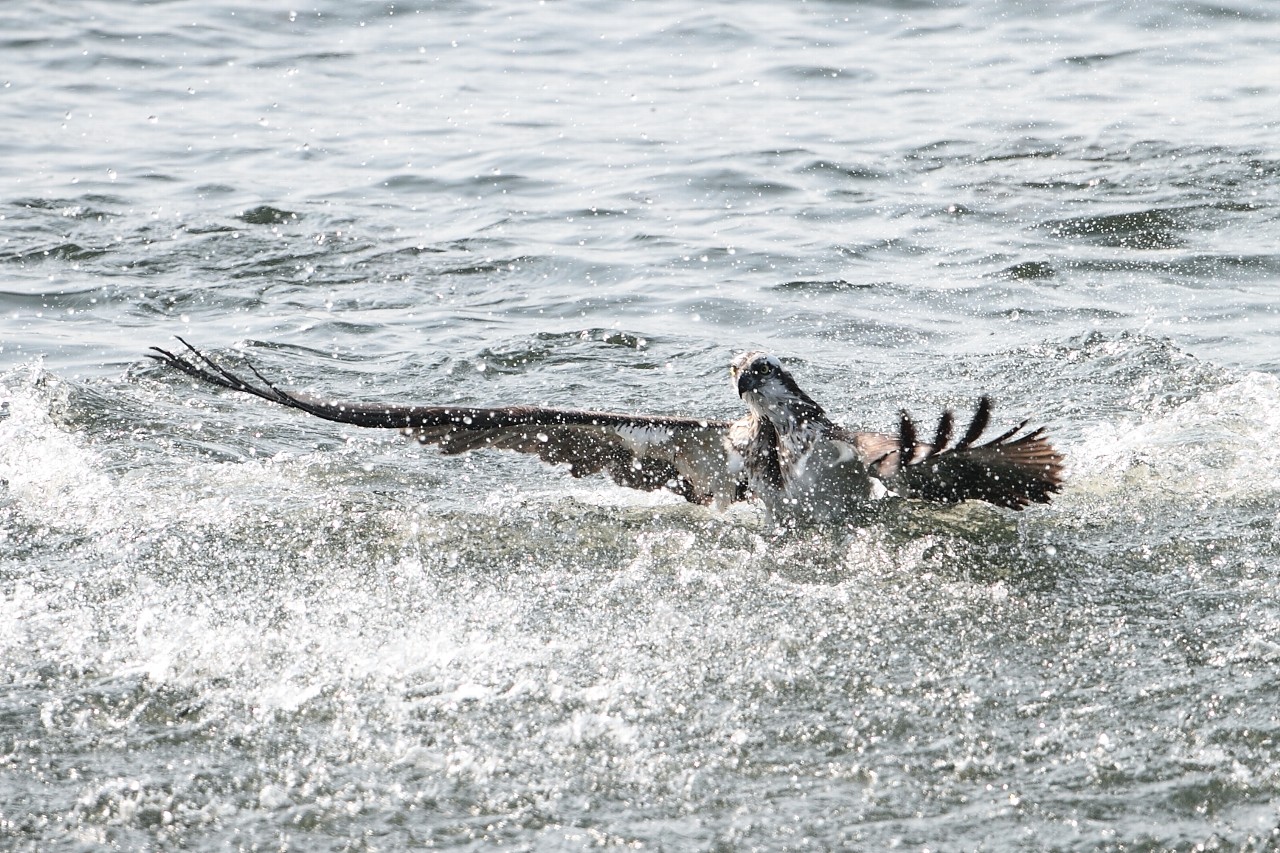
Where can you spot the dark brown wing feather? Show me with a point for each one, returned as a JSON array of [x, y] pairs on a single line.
[[1009, 470], [684, 455]]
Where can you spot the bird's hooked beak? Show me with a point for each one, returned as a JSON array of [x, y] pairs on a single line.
[[744, 379], [747, 380]]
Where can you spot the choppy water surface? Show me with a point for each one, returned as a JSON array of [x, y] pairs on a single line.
[[227, 626]]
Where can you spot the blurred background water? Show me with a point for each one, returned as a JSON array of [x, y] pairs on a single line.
[[227, 626]]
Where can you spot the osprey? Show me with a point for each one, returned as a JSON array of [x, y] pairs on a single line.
[[785, 452]]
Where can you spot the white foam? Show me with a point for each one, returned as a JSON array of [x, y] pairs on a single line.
[[53, 477], [1226, 442]]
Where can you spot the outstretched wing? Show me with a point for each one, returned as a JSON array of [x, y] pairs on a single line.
[[684, 455], [1010, 470]]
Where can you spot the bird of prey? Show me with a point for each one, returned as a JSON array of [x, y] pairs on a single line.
[[785, 452]]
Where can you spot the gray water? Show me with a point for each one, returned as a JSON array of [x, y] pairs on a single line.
[[227, 626]]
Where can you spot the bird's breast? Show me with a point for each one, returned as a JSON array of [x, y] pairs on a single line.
[[807, 476]]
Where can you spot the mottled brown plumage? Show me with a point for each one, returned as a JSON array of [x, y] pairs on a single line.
[[785, 452]]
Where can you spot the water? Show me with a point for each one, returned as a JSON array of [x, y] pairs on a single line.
[[227, 626]]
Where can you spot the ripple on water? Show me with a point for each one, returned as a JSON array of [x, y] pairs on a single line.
[[1156, 228]]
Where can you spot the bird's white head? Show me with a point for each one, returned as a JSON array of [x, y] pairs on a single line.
[[770, 391]]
